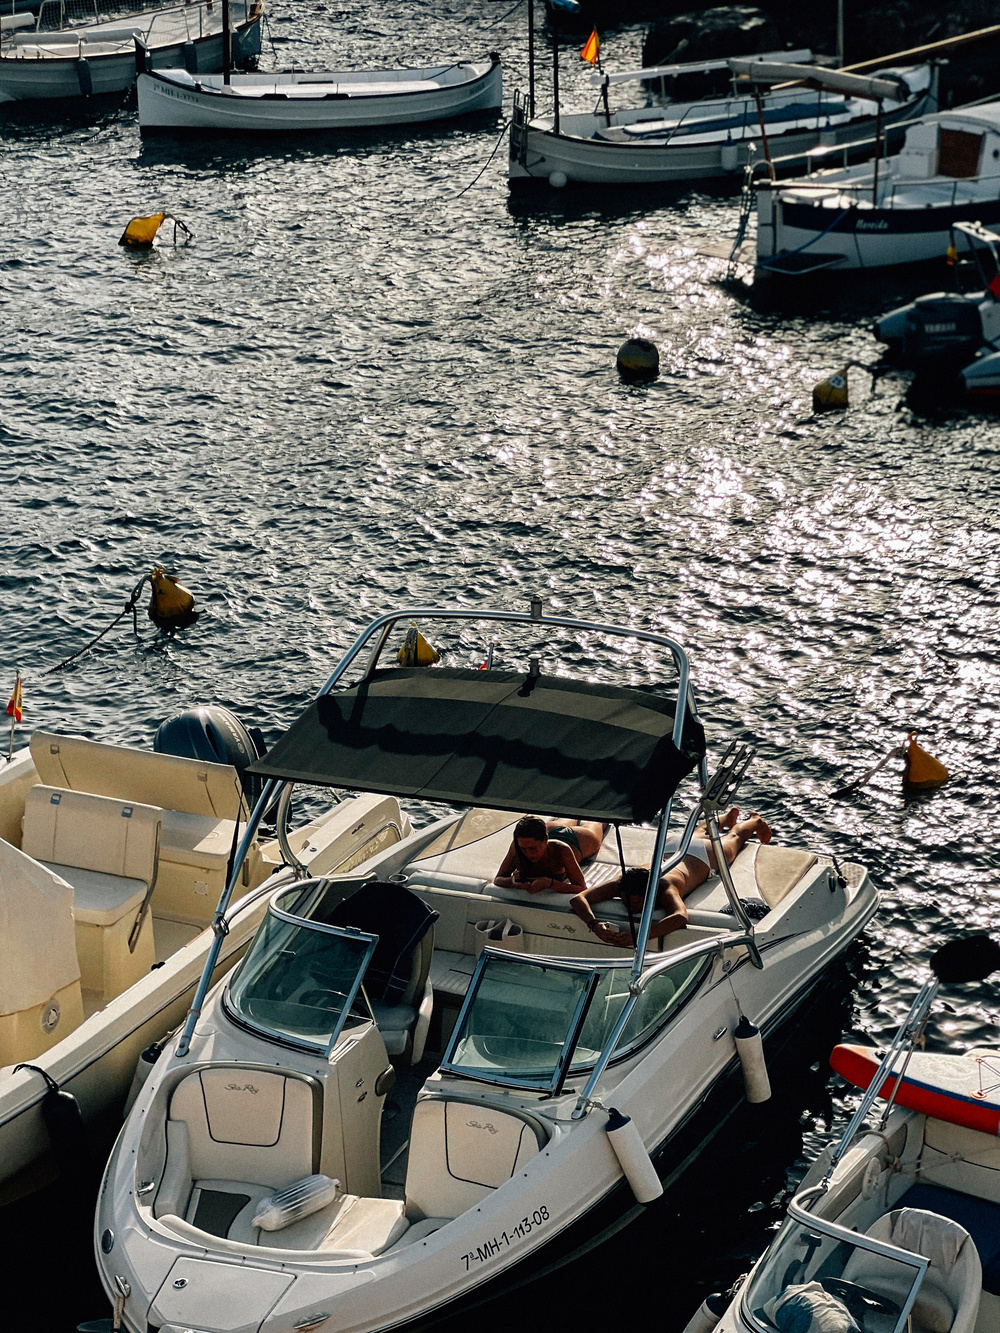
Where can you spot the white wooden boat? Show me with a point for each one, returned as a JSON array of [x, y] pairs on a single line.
[[500, 1157], [898, 1227], [899, 210], [173, 99], [98, 58], [708, 138], [110, 860]]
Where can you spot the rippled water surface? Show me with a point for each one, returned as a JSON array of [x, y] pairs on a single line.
[[361, 386]]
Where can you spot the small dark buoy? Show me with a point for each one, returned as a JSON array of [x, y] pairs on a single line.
[[638, 359], [171, 606]]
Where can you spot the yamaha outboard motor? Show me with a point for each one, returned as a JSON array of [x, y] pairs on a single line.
[[213, 733], [937, 333]]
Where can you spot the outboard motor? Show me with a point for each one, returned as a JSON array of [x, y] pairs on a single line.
[[940, 332], [213, 733]]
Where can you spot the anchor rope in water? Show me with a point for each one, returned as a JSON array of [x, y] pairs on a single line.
[[503, 130], [129, 607]]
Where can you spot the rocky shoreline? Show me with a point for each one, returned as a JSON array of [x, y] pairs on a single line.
[[678, 32]]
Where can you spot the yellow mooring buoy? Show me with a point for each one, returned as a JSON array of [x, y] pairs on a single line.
[[831, 393], [171, 606], [141, 232], [416, 651], [921, 771]]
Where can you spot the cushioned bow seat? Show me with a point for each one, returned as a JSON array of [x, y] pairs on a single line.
[[108, 851], [947, 1300]]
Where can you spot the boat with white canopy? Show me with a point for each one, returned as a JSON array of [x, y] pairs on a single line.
[[111, 859], [896, 210], [175, 99], [896, 1229], [95, 53], [542, 1082]]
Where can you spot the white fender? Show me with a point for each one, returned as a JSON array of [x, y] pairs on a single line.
[[750, 1049], [627, 1145], [707, 1315]]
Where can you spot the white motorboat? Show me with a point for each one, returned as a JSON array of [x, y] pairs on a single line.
[[712, 137], [97, 57], [897, 210], [255, 1186], [174, 99], [110, 861], [898, 1227]]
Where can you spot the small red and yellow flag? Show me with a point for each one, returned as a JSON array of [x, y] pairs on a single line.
[[14, 707], [592, 51]]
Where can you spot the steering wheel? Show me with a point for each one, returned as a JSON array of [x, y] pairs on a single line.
[[859, 1300]]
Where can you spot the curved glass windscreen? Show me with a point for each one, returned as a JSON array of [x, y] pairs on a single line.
[[528, 1024], [299, 980], [810, 1275]]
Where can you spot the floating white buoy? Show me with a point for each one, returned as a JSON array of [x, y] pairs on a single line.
[[627, 1145], [708, 1314], [750, 1049], [558, 179]]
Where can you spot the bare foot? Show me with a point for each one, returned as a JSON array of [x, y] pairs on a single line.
[[762, 829], [730, 820]]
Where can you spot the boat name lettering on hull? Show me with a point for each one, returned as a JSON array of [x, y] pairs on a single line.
[[489, 1248]]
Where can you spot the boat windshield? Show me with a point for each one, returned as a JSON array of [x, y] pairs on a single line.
[[810, 1267], [529, 1024], [300, 978]]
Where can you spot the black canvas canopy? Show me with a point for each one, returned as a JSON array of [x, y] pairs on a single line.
[[494, 738]]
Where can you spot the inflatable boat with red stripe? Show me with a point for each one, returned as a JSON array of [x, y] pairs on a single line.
[[959, 1089]]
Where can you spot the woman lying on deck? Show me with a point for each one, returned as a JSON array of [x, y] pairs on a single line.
[[674, 886], [544, 856]]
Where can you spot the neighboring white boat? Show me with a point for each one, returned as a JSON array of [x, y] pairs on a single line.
[[255, 1184], [110, 860], [709, 138], [173, 99], [897, 1228], [899, 210], [99, 57]]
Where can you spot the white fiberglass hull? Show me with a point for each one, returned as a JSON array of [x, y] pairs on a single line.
[[524, 1222], [174, 100], [853, 235], [57, 71], [538, 152]]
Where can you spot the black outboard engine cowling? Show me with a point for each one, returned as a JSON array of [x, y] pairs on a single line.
[[939, 332], [213, 733]]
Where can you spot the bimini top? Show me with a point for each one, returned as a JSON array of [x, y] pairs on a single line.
[[495, 738]]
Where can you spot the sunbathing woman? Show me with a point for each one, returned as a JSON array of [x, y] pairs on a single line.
[[544, 856], [674, 886]]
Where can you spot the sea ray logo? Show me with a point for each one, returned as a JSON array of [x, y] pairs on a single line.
[[474, 1124], [241, 1087]]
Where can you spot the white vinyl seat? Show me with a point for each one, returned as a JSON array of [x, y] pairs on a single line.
[[236, 1136], [948, 1298], [461, 1151], [199, 801], [107, 851]]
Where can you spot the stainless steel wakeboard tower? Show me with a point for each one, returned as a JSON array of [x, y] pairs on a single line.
[[717, 790]]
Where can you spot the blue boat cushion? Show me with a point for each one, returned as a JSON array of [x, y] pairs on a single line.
[[980, 1217], [400, 920]]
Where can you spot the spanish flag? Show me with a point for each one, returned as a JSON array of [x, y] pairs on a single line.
[[592, 51], [14, 707]]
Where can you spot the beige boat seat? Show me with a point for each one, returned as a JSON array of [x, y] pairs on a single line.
[[200, 803], [462, 1151], [107, 850], [236, 1136], [948, 1298]]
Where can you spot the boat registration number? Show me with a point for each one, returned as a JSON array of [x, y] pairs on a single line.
[[492, 1247]]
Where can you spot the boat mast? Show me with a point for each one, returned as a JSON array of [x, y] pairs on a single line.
[[555, 67], [227, 44], [531, 59], [840, 33]]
